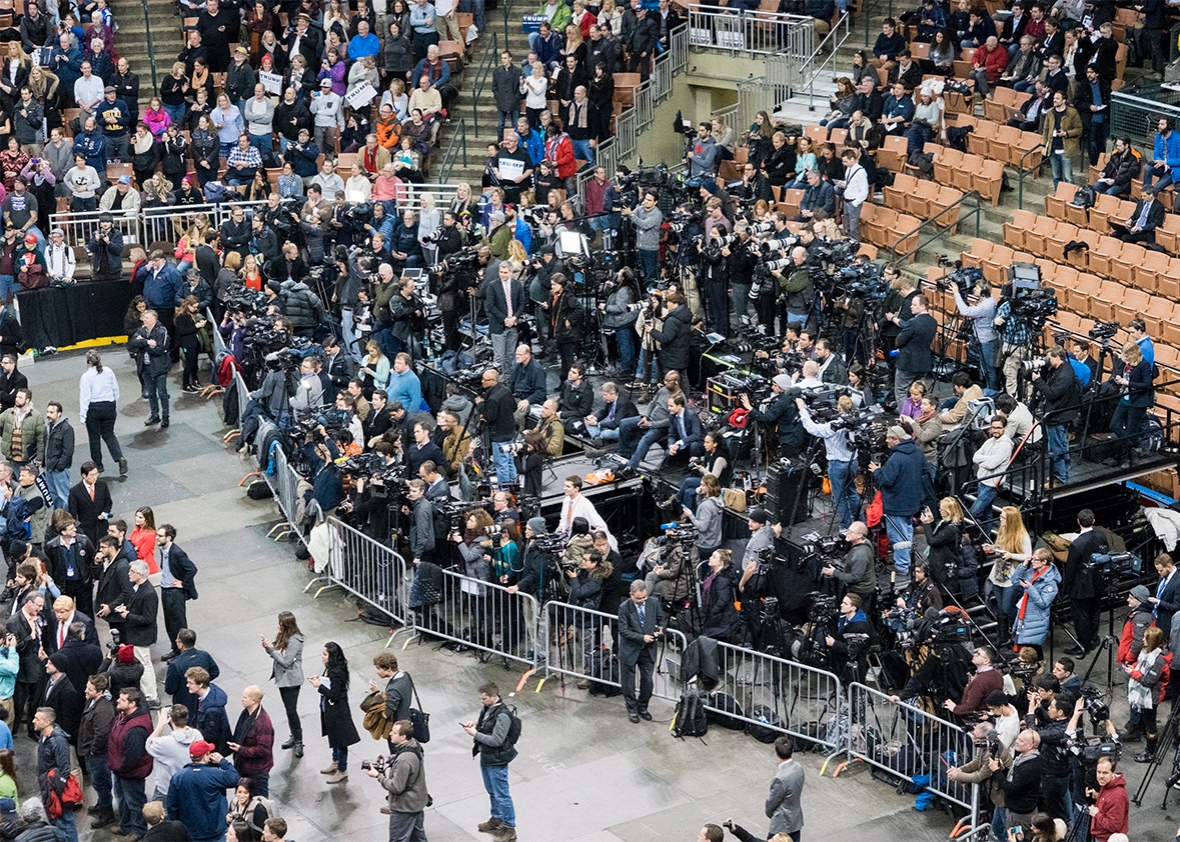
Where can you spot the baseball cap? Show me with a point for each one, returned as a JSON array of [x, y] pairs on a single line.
[[200, 748], [325, 83], [898, 433], [124, 179], [31, 239]]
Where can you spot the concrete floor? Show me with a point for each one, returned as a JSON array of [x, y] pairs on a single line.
[[585, 773]]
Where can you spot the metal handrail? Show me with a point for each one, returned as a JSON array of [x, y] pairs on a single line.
[[899, 258], [829, 47], [147, 24], [747, 33], [1021, 170], [457, 146], [486, 67]]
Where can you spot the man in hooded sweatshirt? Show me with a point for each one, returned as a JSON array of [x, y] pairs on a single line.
[[169, 744]]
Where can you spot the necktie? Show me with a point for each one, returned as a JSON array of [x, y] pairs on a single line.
[[61, 635], [610, 416], [508, 297], [642, 616], [680, 424], [91, 489], [1143, 215], [1159, 594]]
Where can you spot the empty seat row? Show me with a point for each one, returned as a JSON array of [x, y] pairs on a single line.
[[923, 199]]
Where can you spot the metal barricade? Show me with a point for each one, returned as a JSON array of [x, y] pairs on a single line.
[[80, 227], [243, 394], [907, 741], [367, 569], [480, 615], [809, 701], [215, 334], [757, 32], [168, 224], [579, 643], [284, 483]]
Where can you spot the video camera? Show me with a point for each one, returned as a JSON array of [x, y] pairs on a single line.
[[1095, 703], [965, 278], [1103, 331], [822, 609], [679, 533], [1034, 308]]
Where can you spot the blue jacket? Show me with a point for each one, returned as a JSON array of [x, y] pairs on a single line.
[[161, 289], [9, 667], [900, 479], [196, 797], [213, 723], [94, 146], [528, 383], [1167, 150], [1032, 629]]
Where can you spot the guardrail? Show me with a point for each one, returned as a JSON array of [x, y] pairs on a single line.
[[809, 701], [482, 72], [1021, 170], [822, 60], [621, 146], [79, 227], [284, 483], [480, 615], [1134, 114], [367, 569], [581, 642], [942, 231], [755, 32], [907, 741]]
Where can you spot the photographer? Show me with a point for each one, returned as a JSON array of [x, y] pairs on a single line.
[[856, 637], [841, 455], [1109, 813], [673, 336], [647, 220], [985, 338], [1060, 392], [797, 293], [978, 770], [858, 572], [781, 413], [902, 290], [619, 313], [497, 406], [670, 580], [1051, 725], [1021, 784], [536, 574], [913, 342], [403, 776], [900, 481], [740, 261], [922, 596], [987, 680]]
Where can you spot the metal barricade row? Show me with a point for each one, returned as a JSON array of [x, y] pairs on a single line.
[[809, 702], [580, 642], [477, 614], [79, 227], [367, 569], [908, 742]]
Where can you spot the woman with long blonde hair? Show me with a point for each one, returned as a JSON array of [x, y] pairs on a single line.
[[1012, 547]]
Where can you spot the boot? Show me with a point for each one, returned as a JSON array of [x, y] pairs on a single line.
[[492, 825], [1132, 733], [298, 748], [329, 769], [1148, 754], [289, 744], [338, 777]]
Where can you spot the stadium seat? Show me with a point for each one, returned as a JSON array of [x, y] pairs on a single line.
[[1056, 202], [1022, 220]]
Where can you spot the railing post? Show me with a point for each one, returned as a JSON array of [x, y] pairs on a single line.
[[147, 24]]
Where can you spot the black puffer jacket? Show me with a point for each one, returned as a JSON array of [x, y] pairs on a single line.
[[674, 338], [304, 307]]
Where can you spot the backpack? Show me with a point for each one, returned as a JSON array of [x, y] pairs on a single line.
[[732, 712], [771, 727], [690, 719], [1084, 198], [605, 667], [514, 726]]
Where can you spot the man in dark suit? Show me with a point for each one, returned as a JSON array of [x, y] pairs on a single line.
[[380, 417], [141, 629], [914, 360], [187, 655], [71, 562], [1083, 585], [59, 694], [1166, 601], [65, 615], [10, 380], [685, 434], [339, 366], [81, 658], [640, 624], [503, 302], [1140, 227], [177, 585], [90, 503], [114, 586], [605, 425]]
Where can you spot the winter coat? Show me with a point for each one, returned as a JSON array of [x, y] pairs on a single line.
[[900, 480], [59, 446], [943, 558], [304, 308], [721, 620], [1131, 640], [127, 753], [211, 720], [674, 338], [1059, 387], [288, 663], [196, 796], [1113, 809], [405, 779], [335, 713], [1034, 625]]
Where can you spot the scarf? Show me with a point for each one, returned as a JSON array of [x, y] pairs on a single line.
[[1024, 599]]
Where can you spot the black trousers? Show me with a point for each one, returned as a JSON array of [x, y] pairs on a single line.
[[1087, 614], [290, 697], [25, 701], [100, 427], [647, 664], [175, 618]]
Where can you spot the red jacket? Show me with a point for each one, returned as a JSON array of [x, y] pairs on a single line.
[[560, 150], [1112, 809], [994, 62]]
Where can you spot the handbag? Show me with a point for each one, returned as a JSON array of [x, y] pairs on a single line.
[[419, 718], [734, 498]]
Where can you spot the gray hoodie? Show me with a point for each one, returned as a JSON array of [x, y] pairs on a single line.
[[170, 751]]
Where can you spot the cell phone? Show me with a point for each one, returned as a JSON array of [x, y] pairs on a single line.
[[1014, 832]]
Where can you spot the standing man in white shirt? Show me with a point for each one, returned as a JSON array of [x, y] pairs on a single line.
[[855, 188], [59, 257], [576, 505]]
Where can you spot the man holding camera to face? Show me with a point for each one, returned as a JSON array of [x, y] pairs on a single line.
[[403, 776]]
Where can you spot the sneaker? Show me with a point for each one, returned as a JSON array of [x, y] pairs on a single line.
[[506, 834], [492, 825]]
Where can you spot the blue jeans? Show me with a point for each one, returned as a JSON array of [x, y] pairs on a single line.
[[175, 112], [340, 758], [157, 394], [59, 488], [687, 495], [999, 823], [264, 145], [584, 151], [649, 263], [100, 779], [1055, 791], [67, 826], [505, 464], [495, 781], [1161, 181], [1062, 166], [1058, 442], [981, 510], [8, 287], [131, 796], [476, 9], [901, 535], [987, 362], [597, 432], [625, 338], [636, 451], [846, 501]]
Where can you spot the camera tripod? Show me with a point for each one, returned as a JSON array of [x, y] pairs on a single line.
[[1167, 737]]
